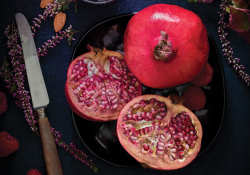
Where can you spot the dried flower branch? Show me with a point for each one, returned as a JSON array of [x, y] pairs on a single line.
[[205, 1], [15, 78], [50, 11], [78, 154], [15, 82], [56, 39], [227, 49]]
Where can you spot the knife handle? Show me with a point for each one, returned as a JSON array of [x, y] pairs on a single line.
[[51, 157]]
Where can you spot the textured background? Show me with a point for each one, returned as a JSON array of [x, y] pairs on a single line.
[[229, 154]]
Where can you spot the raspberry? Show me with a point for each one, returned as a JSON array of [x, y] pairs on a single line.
[[204, 77], [33, 172], [3, 102], [195, 98], [8, 144]]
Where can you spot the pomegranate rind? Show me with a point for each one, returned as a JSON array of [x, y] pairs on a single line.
[[187, 34], [159, 162], [100, 56]]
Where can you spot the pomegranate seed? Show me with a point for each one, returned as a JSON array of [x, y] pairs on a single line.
[[145, 146], [173, 150], [175, 126], [152, 100], [180, 147], [189, 124], [178, 143], [181, 157], [179, 125], [162, 109], [173, 120], [189, 142], [146, 130], [181, 153], [184, 122], [179, 130], [166, 129], [159, 152], [82, 73], [141, 132], [187, 118]]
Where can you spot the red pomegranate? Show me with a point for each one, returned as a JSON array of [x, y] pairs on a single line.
[[195, 98], [204, 77], [165, 45], [99, 84], [159, 132], [3, 102]]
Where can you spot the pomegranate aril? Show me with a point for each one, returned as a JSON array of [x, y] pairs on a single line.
[[162, 114], [187, 146], [160, 144], [179, 130], [146, 130], [145, 147], [180, 147], [181, 153], [175, 126], [184, 122], [189, 124], [136, 106], [179, 125], [152, 100], [160, 147], [173, 150], [158, 117], [173, 120], [162, 109], [166, 129], [159, 152], [189, 142], [187, 118], [178, 143]]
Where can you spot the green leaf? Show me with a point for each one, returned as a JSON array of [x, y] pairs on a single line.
[[239, 16]]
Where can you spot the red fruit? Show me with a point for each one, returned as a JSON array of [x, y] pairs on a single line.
[[99, 84], [33, 172], [204, 77], [165, 45], [8, 144], [3, 102], [159, 132], [195, 98]]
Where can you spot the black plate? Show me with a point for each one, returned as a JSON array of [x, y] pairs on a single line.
[[99, 137]]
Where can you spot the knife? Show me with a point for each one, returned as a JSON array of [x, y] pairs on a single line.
[[39, 95]]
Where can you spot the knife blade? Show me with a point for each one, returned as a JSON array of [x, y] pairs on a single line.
[[39, 95]]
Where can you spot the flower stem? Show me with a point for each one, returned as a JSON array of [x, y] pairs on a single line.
[[227, 49]]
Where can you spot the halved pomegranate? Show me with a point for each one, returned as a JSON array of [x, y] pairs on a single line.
[[159, 132], [99, 84]]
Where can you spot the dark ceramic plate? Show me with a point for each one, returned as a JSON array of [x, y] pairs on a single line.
[[98, 137]]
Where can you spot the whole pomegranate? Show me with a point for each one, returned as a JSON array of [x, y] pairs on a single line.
[[159, 132], [165, 45], [99, 84]]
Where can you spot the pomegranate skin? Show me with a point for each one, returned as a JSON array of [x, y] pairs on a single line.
[[151, 159], [187, 35]]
